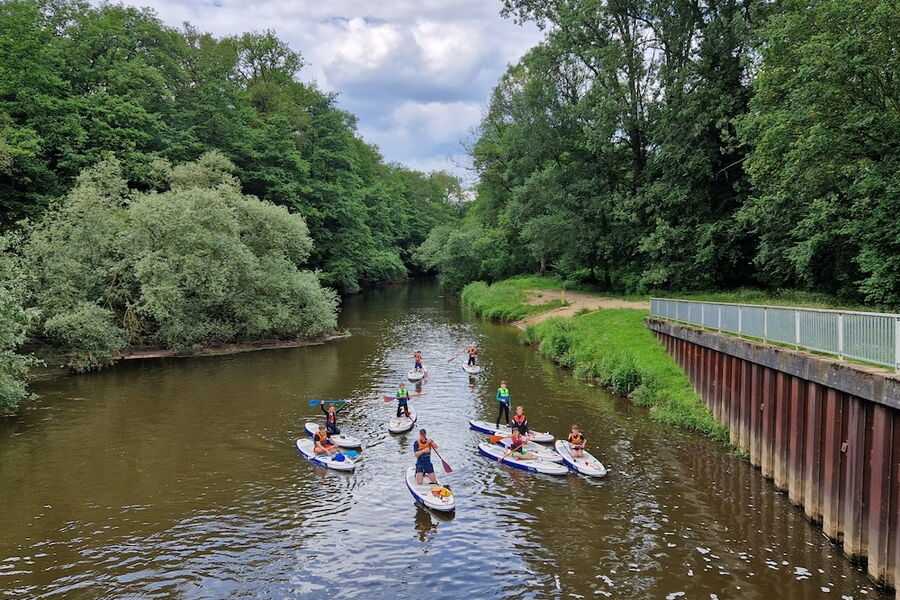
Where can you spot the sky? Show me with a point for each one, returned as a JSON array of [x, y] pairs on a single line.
[[417, 73]]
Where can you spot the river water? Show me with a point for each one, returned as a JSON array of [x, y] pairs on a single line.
[[178, 478]]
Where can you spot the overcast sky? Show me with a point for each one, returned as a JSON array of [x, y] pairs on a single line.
[[417, 73]]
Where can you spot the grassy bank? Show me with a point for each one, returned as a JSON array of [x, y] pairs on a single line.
[[611, 346], [505, 300]]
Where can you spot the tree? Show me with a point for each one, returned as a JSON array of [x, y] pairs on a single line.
[[195, 264], [824, 125]]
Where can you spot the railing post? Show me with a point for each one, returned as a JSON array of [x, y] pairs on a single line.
[[797, 329], [702, 315], [897, 343], [719, 319], [840, 333], [766, 323], [740, 330]]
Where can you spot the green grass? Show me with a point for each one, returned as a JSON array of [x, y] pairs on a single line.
[[505, 300], [774, 298], [740, 295], [614, 347]]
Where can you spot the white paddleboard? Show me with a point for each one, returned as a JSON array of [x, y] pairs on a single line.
[[402, 423], [330, 461], [424, 493], [537, 465], [492, 429], [536, 449], [344, 441], [414, 375], [471, 370], [586, 465]]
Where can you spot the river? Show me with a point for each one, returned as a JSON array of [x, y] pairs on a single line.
[[178, 478]]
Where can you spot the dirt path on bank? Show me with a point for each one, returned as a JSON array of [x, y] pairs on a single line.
[[575, 302]]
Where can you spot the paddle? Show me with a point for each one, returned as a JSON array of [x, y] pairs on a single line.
[[444, 463], [450, 360], [391, 398], [318, 402]]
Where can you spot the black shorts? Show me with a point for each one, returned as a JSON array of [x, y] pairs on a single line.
[[424, 467]]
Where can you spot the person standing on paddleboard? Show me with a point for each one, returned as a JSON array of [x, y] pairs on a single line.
[[418, 358], [331, 417], [473, 352], [402, 396], [422, 449], [503, 401]]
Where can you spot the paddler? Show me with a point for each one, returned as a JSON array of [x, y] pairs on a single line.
[[503, 403], [473, 353], [417, 356], [331, 417], [422, 449], [517, 447], [323, 444], [520, 421], [402, 396], [577, 442]]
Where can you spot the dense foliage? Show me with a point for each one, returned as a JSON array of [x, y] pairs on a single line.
[[14, 321], [652, 145], [194, 262], [81, 83], [96, 103]]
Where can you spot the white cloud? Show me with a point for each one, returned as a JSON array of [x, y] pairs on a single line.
[[415, 72]]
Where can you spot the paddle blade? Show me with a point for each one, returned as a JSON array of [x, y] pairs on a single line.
[[315, 402], [497, 438], [351, 453], [447, 468]]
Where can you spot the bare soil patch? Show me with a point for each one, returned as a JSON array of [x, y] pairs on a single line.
[[575, 301]]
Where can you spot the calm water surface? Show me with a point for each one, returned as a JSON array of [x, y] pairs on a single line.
[[179, 479]]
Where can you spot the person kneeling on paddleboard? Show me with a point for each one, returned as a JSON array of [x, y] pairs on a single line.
[[520, 421], [418, 358], [577, 442], [323, 443], [331, 417], [402, 401], [473, 352], [422, 449], [503, 399], [517, 447]]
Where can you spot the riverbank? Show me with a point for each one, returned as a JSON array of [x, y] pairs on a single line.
[[608, 344]]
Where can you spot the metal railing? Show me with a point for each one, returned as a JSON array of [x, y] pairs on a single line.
[[869, 337]]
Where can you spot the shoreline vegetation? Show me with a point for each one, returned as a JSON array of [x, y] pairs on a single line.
[[609, 346], [161, 187]]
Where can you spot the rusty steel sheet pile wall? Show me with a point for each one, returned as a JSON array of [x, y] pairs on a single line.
[[824, 431]]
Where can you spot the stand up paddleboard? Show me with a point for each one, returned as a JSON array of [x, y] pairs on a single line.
[[492, 429], [471, 370], [338, 462], [344, 441], [431, 495], [537, 465], [402, 424], [586, 465], [540, 451], [414, 375]]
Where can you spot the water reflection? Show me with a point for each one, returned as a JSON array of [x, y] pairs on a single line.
[[179, 478]]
